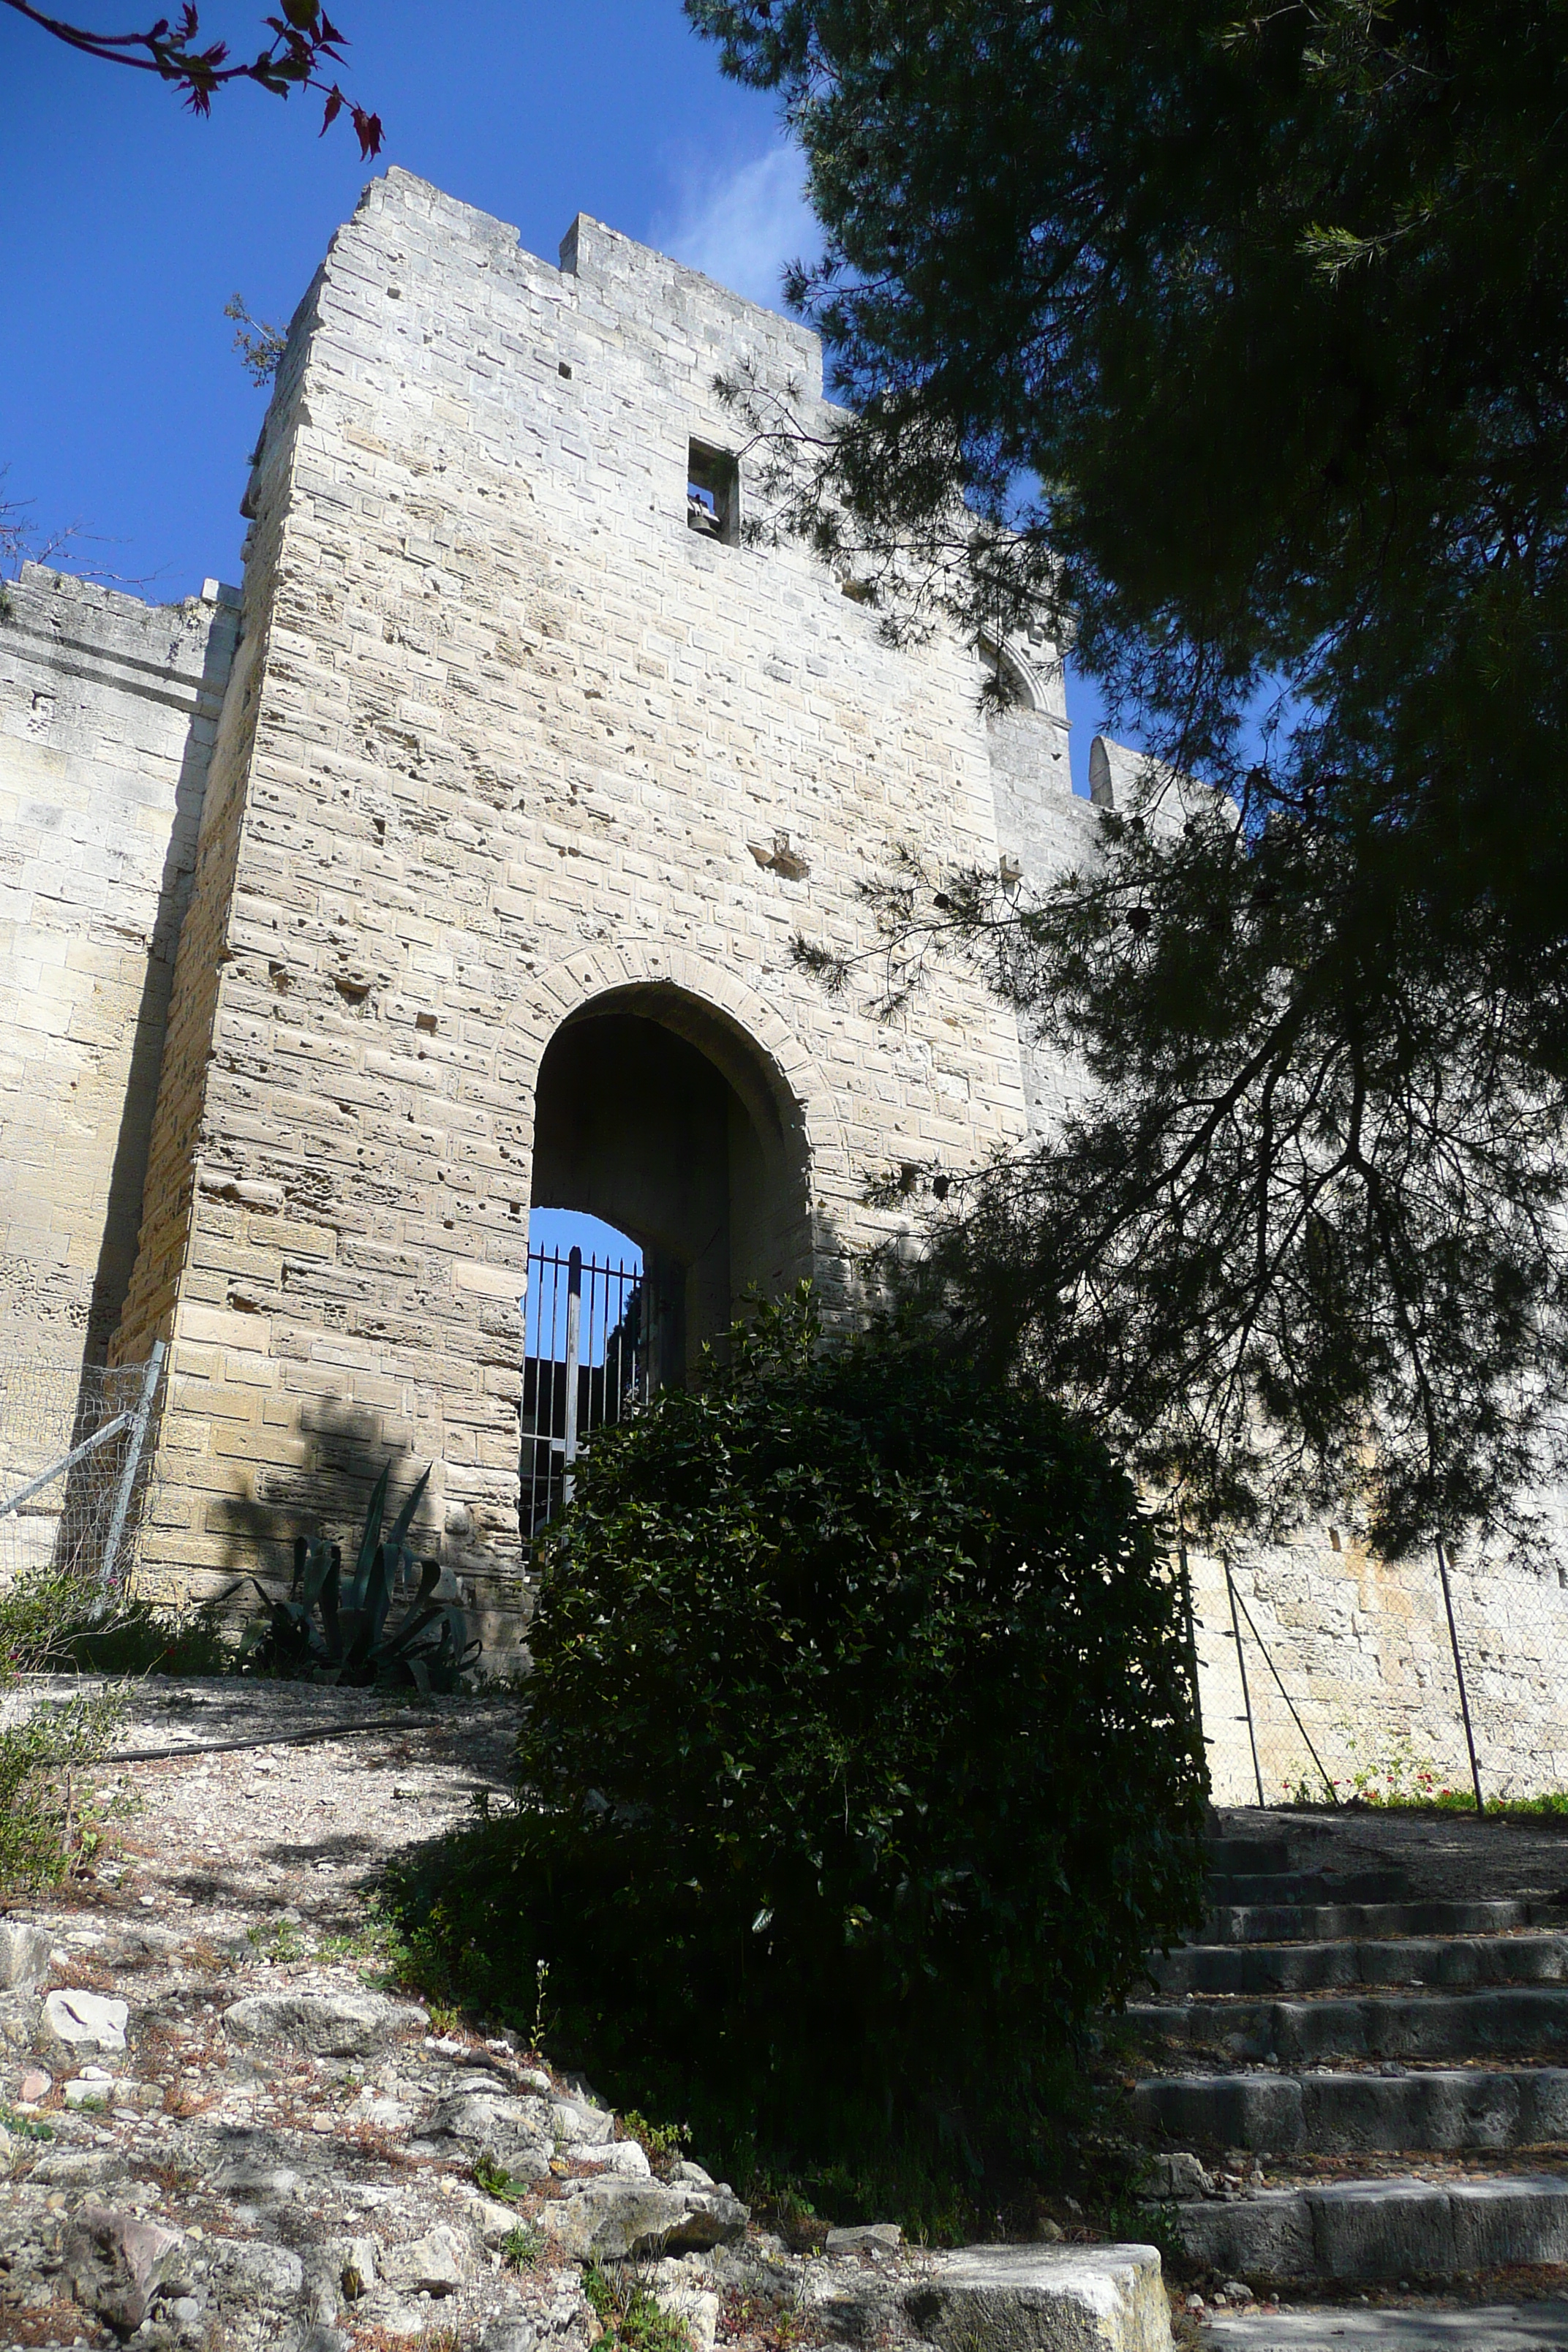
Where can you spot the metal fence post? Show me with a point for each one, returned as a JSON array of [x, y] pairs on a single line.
[[1191, 1635], [1246, 1693], [139, 1421], [574, 1351], [1459, 1678]]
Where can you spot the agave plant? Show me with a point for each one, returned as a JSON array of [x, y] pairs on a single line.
[[337, 1631]]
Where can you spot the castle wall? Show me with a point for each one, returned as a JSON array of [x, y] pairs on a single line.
[[107, 713], [1361, 1649], [498, 743], [507, 738]]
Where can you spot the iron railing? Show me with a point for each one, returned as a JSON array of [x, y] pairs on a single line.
[[590, 1350]]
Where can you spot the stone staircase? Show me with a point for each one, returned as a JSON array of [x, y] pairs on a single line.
[[1357, 2084]]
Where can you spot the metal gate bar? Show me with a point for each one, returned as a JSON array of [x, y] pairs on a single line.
[[588, 1363]]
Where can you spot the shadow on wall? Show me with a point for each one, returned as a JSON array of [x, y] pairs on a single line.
[[128, 1173], [349, 1453]]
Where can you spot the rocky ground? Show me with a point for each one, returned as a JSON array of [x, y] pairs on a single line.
[[215, 2134]]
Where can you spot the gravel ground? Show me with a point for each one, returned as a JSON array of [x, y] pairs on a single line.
[[283, 2166]]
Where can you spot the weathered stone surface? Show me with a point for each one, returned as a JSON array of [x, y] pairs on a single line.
[[24, 1955], [579, 2125], [697, 2307], [515, 2131], [260, 2279], [329, 2024], [432, 2264], [1383, 2229], [509, 2336], [611, 2219], [115, 2264], [622, 2158], [1176, 2174], [1007, 2298], [107, 711], [869, 2237], [77, 2168], [257, 2179], [84, 2020]]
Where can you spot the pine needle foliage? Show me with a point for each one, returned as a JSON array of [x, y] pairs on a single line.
[[1235, 342]]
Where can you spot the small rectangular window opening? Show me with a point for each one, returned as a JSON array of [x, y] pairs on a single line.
[[712, 493]]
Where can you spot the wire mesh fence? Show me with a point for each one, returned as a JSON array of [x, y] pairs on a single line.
[[76, 1467], [1325, 1675]]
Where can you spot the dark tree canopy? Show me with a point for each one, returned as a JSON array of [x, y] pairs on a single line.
[[303, 40], [1240, 343]]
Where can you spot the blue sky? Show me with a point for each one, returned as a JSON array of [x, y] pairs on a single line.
[[126, 224]]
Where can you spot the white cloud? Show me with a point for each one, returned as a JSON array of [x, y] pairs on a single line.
[[742, 226]]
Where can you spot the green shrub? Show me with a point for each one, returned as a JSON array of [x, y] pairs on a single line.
[[859, 1768], [51, 1623], [46, 1826]]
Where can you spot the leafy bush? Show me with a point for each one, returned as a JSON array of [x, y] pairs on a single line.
[[859, 1768], [53, 1623], [45, 1819], [354, 1642]]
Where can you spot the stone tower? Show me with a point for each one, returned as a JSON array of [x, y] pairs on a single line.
[[522, 787]]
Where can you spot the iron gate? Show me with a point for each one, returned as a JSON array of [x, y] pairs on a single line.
[[590, 1348]]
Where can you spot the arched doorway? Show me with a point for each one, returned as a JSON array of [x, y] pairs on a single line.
[[660, 1115], [657, 1120]]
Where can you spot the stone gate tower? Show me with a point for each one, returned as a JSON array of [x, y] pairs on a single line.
[[528, 769]]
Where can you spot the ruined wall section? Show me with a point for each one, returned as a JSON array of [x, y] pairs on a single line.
[[521, 736], [108, 710]]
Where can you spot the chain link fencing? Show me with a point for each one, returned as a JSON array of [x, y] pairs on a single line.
[[76, 1467], [1325, 1674]]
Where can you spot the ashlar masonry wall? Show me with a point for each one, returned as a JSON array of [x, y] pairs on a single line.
[[506, 740], [107, 710]]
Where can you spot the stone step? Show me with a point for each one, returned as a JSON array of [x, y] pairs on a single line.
[[1376, 2230], [1234, 1888], [1288, 1923], [1519, 2022], [1259, 1855], [1338, 2113], [1455, 1960], [1341, 2328], [1523, 2021], [1104, 2298]]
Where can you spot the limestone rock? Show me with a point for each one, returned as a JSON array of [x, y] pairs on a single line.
[[115, 2264], [866, 2237], [611, 2219], [77, 2168], [578, 2124], [495, 2222], [429, 2265], [1177, 2175], [24, 1955], [696, 2307], [256, 2277], [516, 2131], [1009, 2298], [84, 2020], [328, 2025], [622, 2157], [692, 2175], [509, 2336], [257, 2178]]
